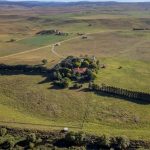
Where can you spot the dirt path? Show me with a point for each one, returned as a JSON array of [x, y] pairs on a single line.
[[51, 45], [24, 52]]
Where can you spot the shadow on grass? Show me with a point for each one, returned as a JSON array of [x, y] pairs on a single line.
[[54, 87], [137, 101], [46, 73]]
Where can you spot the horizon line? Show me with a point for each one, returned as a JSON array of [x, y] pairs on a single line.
[[71, 1]]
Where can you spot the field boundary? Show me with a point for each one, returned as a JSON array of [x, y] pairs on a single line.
[[51, 45], [123, 93]]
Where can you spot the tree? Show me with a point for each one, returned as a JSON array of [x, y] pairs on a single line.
[[59, 76], [77, 64], [91, 75], [105, 140], [3, 131], [44, 61], [93, 65], [66, 82], [31, 137], [77, 86], [85, 63], [122, 142], [98, 62], [75, 138]]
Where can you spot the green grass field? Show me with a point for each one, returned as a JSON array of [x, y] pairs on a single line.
[[23, 98]]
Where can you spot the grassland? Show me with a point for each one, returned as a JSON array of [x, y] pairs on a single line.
[[28, 99]]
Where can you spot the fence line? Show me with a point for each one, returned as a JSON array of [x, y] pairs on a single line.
[[120, 92]]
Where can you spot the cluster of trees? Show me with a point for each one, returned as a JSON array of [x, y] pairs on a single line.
[[104, 141], [6, 141], [121, 92], [79, 69], [21, 139], [50, 32]]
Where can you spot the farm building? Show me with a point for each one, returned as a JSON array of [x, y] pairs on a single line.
[[79, 70]]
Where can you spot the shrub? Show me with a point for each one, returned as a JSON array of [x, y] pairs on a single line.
[[75, 138], [66, 82], [59, 76], [77, 86], [7, 143], [44, 61], [69, 75], [91, 75], [3, 131], [56, 75], [122, 142], [31, 137], [11, 142], [98, 62], [105, 141], [31, 145], [85, 63], [93, 66], [70, 137]]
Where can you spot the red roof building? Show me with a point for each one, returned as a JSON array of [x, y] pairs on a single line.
[[79, 70]]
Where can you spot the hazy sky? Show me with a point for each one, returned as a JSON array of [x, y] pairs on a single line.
[[87, 0]]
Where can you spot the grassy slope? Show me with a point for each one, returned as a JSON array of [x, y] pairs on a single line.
[[23, 99], [36, 103], [29, 44]]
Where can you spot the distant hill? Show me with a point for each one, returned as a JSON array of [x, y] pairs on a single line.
[[85, 3]]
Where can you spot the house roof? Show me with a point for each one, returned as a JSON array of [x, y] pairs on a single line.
[[79, 70]]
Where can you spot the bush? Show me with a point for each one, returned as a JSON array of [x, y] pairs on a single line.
[[11, 142], [69, 75], [85, 63], [105, 141], [3, 131], [31, 137], [77, 64], [7, 143], [31, 145], [98, 62], [44, 61], [91, 75], [93, 66], [77, 86], [75, 138], [56, 76], [122, 142], [66, 82]]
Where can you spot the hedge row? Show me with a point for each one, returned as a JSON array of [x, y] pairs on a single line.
[[34, 139], [121, 92]]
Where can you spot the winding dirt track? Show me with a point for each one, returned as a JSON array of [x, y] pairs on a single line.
[[35, 49], [51, 45]]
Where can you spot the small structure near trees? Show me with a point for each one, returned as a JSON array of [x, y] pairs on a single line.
[[75, 69], [50, 32], [84, 37]]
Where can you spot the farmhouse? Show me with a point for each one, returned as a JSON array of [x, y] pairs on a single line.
[[50, 32], [79, 70]]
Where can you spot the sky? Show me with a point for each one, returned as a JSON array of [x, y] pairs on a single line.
[[86, 0]]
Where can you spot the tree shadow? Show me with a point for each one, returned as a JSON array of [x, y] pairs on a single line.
[[54, 87], [104, 94], [45, 72], [38, 69]]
